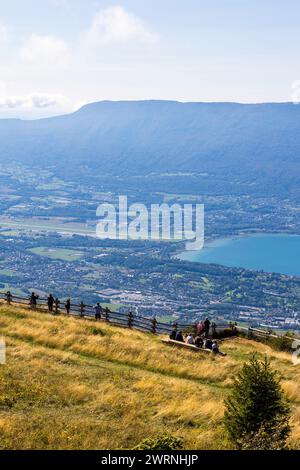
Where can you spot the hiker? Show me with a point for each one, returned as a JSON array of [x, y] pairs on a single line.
[[190, 339], [8, 296], [179, 337], [50, 302], [206, 326], [98, 311], [208, 343], [33, 300], [200, 327], [173, 333], [199, 342], [68, 305]]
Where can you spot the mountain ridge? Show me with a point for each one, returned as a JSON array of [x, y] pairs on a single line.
[[251, 142]]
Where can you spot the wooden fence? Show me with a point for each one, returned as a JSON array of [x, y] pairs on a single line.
[[129, 319]]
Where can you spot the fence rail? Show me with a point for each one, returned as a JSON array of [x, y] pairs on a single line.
[[82, 310], [129, 320]]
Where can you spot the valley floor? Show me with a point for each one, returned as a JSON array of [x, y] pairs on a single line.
[[70, 383]]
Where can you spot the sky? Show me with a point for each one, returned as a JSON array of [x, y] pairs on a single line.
[[57, 55]]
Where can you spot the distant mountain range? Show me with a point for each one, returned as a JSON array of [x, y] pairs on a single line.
[[253, 143]]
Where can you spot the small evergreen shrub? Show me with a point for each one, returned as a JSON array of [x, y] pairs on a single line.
[[257, 415]]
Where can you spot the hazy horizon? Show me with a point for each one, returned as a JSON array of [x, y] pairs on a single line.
[[34, 118]]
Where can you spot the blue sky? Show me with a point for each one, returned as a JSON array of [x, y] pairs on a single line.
[[56, 55]]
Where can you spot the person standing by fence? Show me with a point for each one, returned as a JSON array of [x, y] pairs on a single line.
[[200, 328], [206, 327], [98, 311], [33, 300], [50, 302], [68, 305], [8, 297]]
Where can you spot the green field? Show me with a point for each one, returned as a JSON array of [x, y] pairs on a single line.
[[57, 253], [8, 272], [15, 290], [112, 307]]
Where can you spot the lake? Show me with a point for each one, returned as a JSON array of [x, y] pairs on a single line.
[[278, 253]]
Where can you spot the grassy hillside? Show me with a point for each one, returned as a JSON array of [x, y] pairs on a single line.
[[71, 384]]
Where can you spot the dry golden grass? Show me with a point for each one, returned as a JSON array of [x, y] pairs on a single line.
[[74, 384]]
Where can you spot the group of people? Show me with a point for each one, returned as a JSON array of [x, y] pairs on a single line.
[[55, 302], [53, 305], [200, 340], [101, 312]]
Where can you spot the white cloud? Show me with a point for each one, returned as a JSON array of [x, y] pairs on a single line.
[[44, 50], [34, 101], [115, 25]]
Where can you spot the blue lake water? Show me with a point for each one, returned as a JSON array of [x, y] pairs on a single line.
[[278, 253]]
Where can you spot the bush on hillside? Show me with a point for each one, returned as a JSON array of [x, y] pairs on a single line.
[[226, 333], [263, 440], [281, 343], [257, 415], [162, 442]]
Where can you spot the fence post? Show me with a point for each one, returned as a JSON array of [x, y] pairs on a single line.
[[106, 311], [250, 332], [130, 319], [82, 309], [153, 325], [56, 305]]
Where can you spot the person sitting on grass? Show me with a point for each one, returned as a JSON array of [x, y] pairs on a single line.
[[179, 337], [208, 343], [215, 348], [190, 339], [173, 334], [199, 342]]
